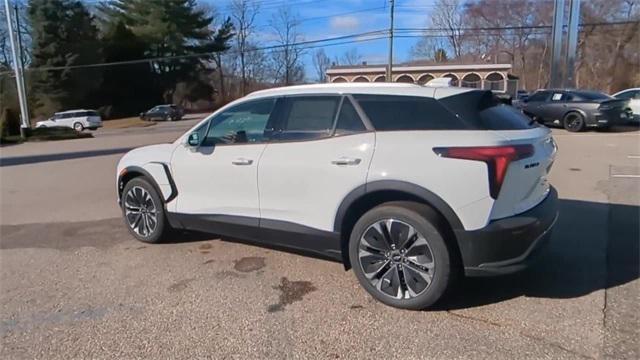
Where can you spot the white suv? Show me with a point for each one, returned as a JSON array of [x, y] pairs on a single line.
[[76, 119], [409, 185]]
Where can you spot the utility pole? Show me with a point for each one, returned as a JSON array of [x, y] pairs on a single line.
[[390, 67], [572, 44], [18, 70], [556, 48]]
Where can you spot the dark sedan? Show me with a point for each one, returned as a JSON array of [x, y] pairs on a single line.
[[163, 112], [576, 110]]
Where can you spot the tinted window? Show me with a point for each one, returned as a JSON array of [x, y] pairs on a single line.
[[348, 121], [629, 95], [483, 111], [92, 113], [308, 117], [591, 95], [244, 123], [391, 112], [539, 96]]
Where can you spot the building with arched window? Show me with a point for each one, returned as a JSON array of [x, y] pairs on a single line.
[[496, 77]]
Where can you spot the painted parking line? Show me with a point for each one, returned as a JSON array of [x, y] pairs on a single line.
[[633, 156], [626, 176]]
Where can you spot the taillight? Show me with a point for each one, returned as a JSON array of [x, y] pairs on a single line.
[[497, 159]]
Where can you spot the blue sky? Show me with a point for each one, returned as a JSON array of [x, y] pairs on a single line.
[[331, 18]]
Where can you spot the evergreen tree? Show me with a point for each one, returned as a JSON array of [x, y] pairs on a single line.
[[127, 89], [172, 30], [63, 35]]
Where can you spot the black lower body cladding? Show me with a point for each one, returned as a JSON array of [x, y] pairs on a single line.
[[507, 245]]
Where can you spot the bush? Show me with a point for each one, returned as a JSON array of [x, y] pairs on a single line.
[[9, 123]]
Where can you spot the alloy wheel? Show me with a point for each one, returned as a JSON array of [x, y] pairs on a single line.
[[140, 211], [574, 122], [396, 259]]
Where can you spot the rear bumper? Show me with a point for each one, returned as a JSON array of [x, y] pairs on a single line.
[[508, 245]]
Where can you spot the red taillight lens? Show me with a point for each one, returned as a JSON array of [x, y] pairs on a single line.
[[497, 159]]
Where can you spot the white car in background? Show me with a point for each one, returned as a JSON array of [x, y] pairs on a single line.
[[75, 119], [633, 95]]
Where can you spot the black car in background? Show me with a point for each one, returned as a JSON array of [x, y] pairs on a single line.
[[163, 112], [576, 110]]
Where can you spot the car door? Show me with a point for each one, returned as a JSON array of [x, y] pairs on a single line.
[[311, 165], [556, 106], [218, 178], [533, 105]]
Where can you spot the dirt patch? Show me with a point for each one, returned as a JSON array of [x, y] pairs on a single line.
[[126, 123], [290, 292], [249, 264]]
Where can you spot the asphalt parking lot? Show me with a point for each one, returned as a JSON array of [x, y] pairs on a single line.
[[74, 284]]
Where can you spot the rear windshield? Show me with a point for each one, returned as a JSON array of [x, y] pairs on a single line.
[[474, 110], [484, 111]]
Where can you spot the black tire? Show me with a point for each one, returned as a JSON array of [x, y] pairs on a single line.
[[443, 268], [153, 204], [573, 122], [78, 127]]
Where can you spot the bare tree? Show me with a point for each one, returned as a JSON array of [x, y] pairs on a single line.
[[351, 57], [244, 13], [321, 63], [447, 15], [429, 47], [288, 67]]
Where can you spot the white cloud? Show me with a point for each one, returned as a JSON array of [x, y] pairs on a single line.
[[345, 23]]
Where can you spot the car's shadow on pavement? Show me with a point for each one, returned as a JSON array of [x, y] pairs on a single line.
[[594, 246]]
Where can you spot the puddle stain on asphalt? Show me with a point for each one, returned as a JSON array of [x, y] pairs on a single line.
[[101, 234], [290, 292], [249, 264], [179, 285]]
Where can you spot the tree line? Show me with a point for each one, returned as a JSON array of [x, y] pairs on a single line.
[[518, 33], [191, 54], [197, 55]]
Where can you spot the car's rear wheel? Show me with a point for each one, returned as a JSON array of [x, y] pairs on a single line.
[[78, 127], [143, 211], [573, 122], [400, 255]]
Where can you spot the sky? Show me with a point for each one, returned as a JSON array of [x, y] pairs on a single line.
[[332, 18]]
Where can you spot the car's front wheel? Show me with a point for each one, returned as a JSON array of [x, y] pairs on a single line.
[[400, 256], [78, 127], [143, 211]]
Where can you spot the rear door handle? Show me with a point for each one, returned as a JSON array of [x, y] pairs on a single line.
[[242, 161], [346, 161]]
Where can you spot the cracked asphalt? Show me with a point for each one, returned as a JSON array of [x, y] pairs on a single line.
[[74, 284]]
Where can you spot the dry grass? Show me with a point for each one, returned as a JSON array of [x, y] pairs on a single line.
[[126, 123]]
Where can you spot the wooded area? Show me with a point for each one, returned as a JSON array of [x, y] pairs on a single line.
[[124, 56]]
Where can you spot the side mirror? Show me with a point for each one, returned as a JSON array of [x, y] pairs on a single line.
[[194, 139]]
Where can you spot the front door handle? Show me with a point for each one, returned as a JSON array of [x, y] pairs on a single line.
[[242, 161], [346, 161]]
